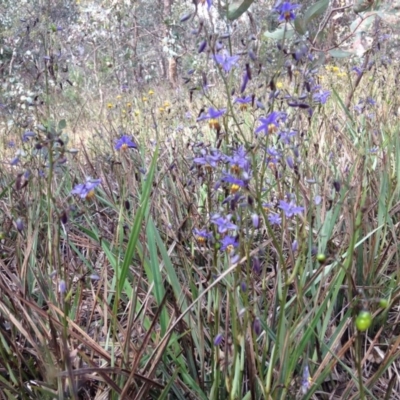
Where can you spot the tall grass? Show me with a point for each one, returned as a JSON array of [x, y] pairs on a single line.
[[132, 293]]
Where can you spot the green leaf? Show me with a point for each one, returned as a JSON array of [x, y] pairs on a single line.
[[237, 8], [62, 124], [137, 224], [279, 33], [315, 11], [337, 53], [299, 26]]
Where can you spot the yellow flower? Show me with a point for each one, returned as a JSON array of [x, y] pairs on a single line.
[[161, 109], [279, 85], [109, 105], [341, 74], [335, 69], [137, 112], [151, 92], [129, 105], [118, 97], [144, 99], [166, 104]]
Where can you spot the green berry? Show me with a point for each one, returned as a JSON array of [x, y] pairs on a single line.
[[363, 320], [383, 303], [321, 258]]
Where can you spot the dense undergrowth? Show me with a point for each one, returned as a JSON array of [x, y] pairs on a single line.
[[233, 240]]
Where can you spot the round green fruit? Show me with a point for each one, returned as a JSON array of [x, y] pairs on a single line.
[[363, 320], [321, 258], [383, 303]]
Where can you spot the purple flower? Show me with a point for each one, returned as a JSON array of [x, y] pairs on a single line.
[[270, 124], [226, 62], [290, 162], [86, 190], [209, 160], [201, 235], [202, 46], [290, 209], [295, 245], [273, 155], [244, 100], [322, 97], [256, 265], [245, 81], [223, 223], [317, 200], [306, 380], [358, 70], [274, 219], [257, 326], [238, 161], [255, 219], [20, 225], [26, 135], [218, 339], [285, 11], [62, 287], [236, 183], [212, 114], [229, 243], [124, 142], [209, 4], [285, 136], [14, 161]]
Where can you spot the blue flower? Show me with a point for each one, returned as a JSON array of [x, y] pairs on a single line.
[[273, 156], [238, 161], [236, 183], [86, 190], [212, 114], [290, 209], [285, 11], [274, 219], [322, 97], [218, 339], [245, 81], [209, 160], [201, 235], [270, 124], [229, 243], [124, 142], [226, 62], [223, 223], [26, 135], [15, 161]]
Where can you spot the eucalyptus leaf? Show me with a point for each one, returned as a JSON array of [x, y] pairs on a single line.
[[62, 124], [299, 26], [337, 53], [315, 11], [237, 8], [279, 34]]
